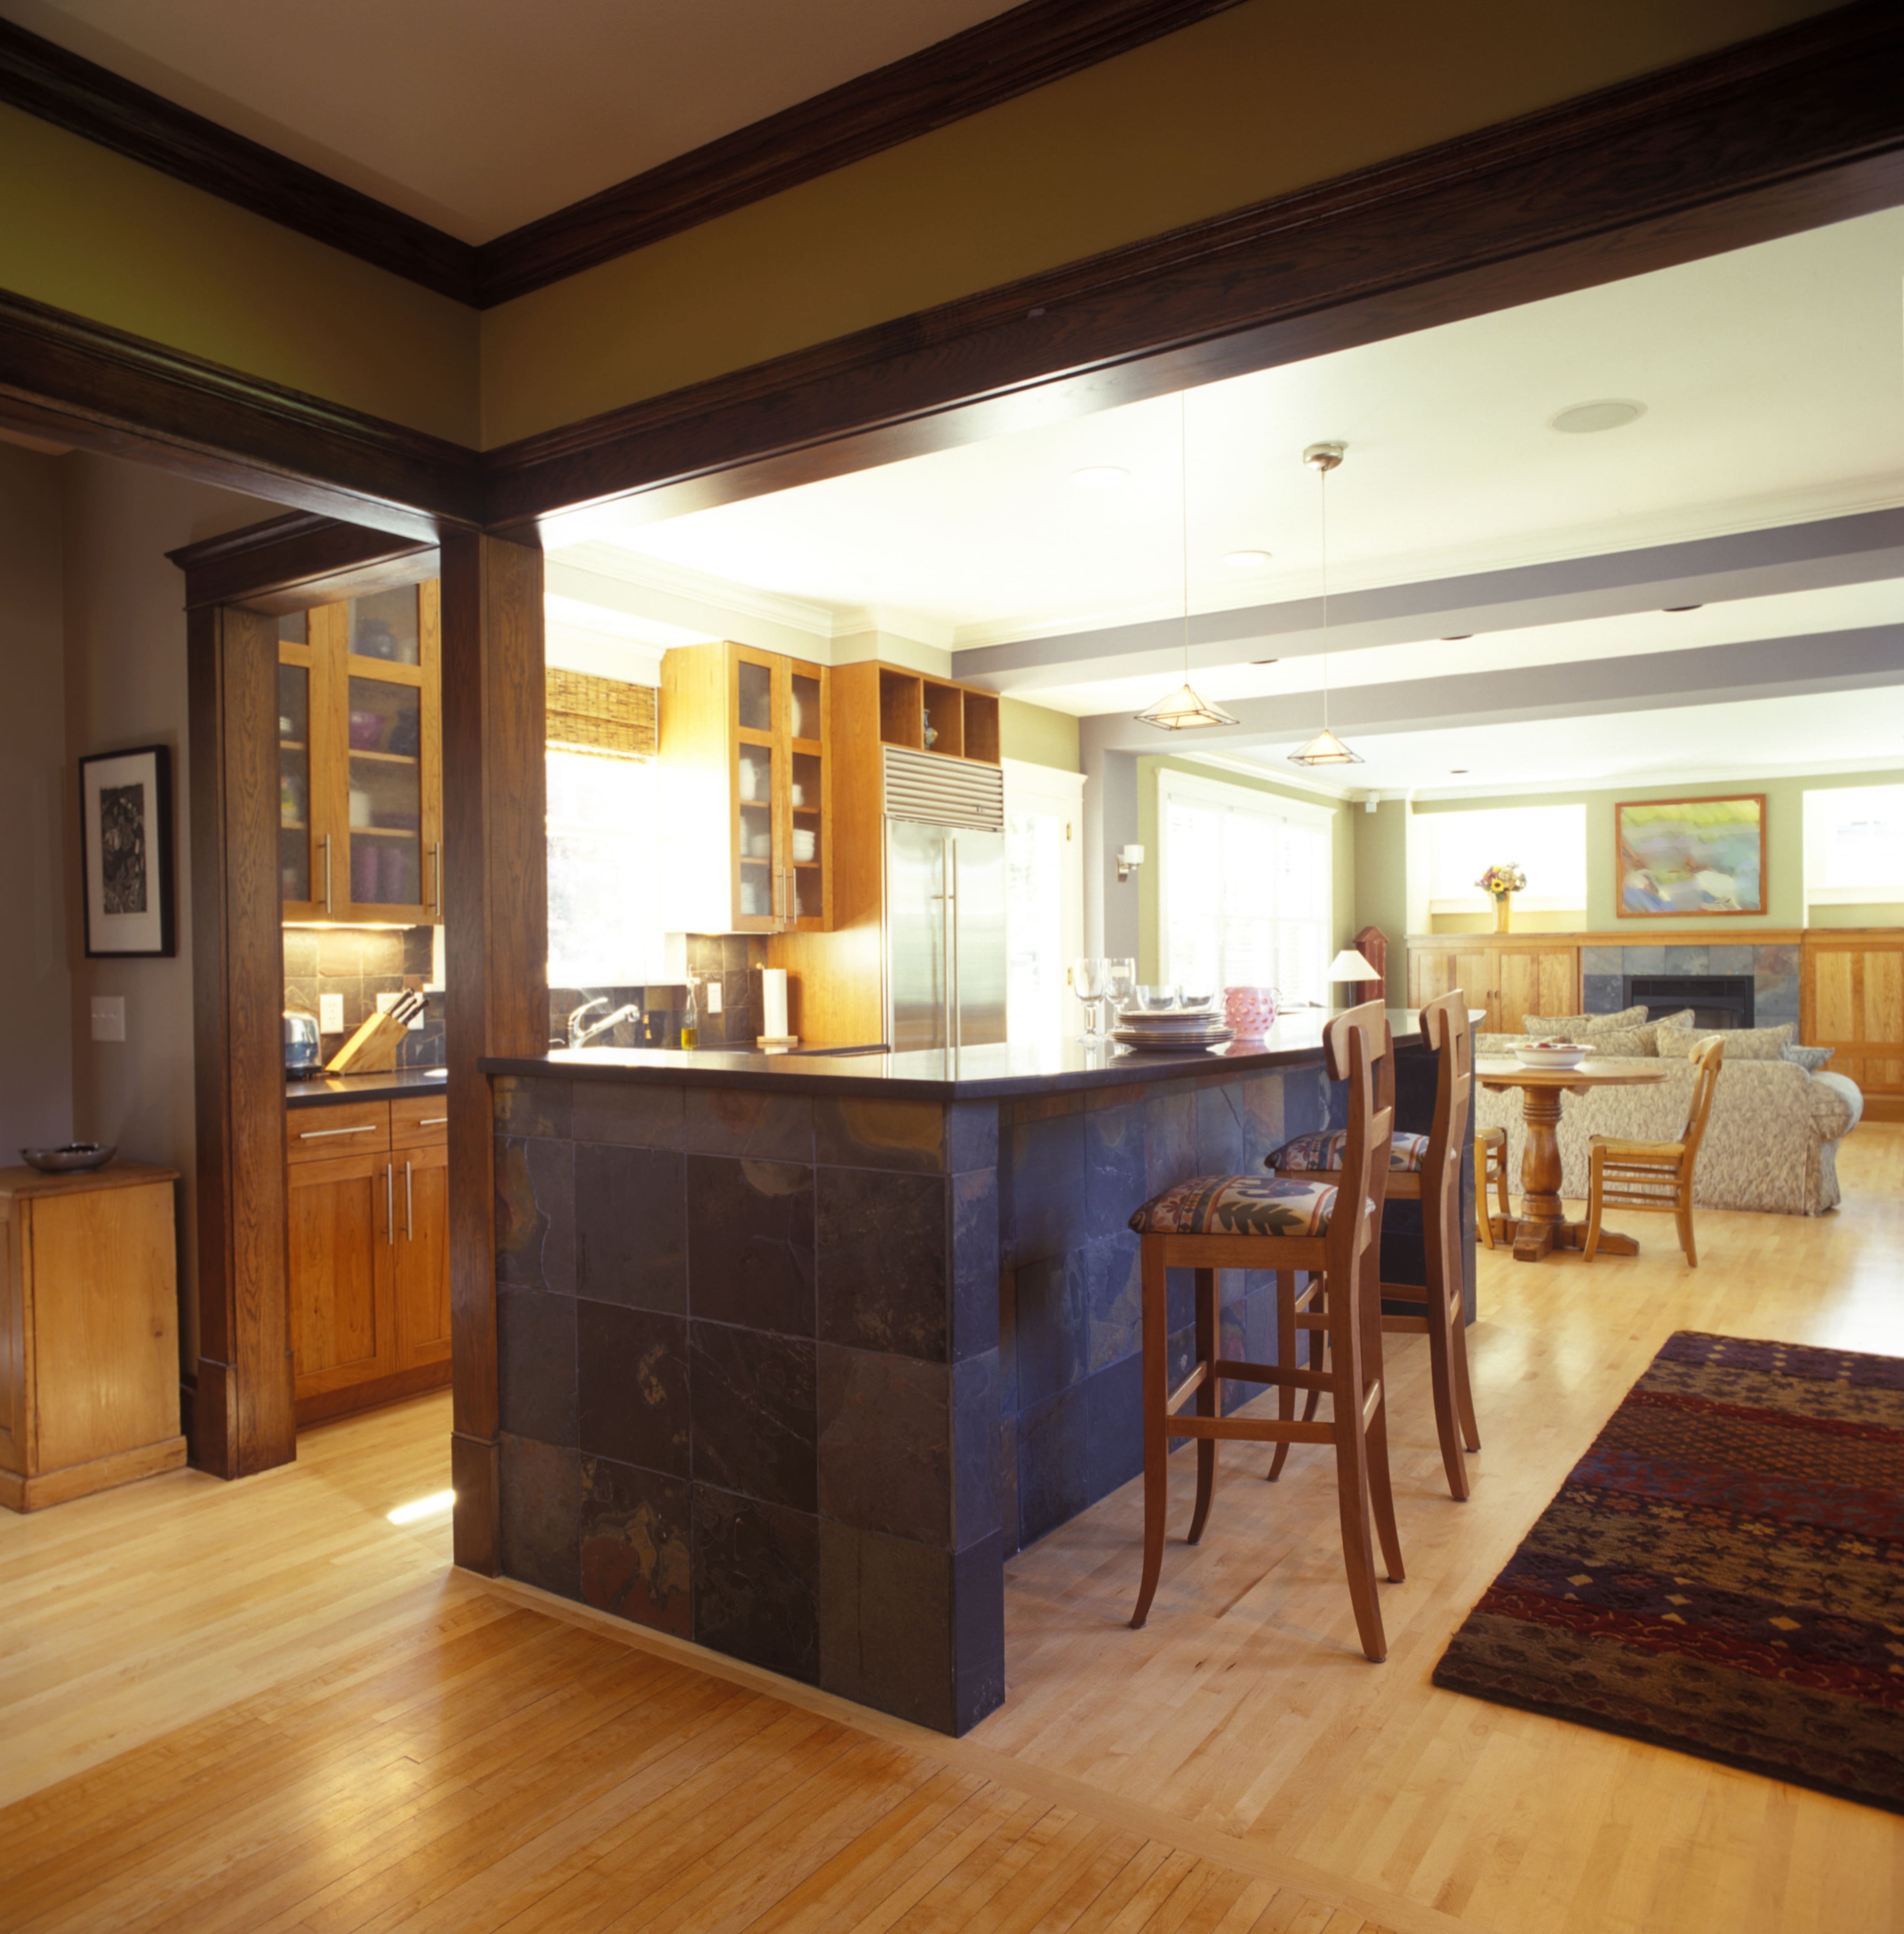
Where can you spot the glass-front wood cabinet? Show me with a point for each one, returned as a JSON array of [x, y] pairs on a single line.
[[360, 760], [743, 754]]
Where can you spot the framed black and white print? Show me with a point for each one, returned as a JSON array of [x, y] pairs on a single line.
[[125, 821]]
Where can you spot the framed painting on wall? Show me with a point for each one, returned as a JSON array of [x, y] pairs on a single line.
[[125, 823], [1682, 859]]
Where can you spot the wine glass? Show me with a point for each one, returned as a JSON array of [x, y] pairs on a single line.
[[1120, 982], [1087, 983]]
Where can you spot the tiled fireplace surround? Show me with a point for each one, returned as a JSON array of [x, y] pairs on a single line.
[[1774, 971]]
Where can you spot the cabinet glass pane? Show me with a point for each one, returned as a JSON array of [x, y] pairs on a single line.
[[384, 625], [293, 628], [754, 784], [386, 724], [294, 782], [756, 697], [806, 707]]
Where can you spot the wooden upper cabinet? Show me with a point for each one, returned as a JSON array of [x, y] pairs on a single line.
[[360, 751], [1851, 996], [747, 781]]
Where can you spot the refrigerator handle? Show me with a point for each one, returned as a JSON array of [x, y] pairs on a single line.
[[955, 1033]]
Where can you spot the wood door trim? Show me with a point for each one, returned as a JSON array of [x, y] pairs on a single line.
[[293, 562]]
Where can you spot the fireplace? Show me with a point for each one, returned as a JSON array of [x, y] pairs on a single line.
[[1717, 1000]]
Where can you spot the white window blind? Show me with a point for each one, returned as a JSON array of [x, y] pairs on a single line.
[[604, 919], [1245, 888], [1548, 843], [1854, 843]]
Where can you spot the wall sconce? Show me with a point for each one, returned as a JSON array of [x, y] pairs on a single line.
[[1129, 858]]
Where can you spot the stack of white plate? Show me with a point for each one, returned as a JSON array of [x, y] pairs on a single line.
[[1177, 1030]]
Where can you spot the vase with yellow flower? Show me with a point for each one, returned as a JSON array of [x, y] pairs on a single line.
[[1501, 884]]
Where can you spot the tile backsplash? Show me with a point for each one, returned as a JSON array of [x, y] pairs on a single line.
[[358, 964]]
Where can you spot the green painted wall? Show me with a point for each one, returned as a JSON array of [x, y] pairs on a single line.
[[1342, 848], [1785, 847], [1381, 885], [1038, 735]]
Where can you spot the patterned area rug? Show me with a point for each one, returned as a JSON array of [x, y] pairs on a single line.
[[1723, 1572]]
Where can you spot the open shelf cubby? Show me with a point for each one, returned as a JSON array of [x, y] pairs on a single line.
[[900, 723]]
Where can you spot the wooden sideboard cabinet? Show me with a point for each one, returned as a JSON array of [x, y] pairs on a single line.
[[88, 1331], [1508, 974], [745, 759], [1852, 996], [368, 1200], [360, 759]]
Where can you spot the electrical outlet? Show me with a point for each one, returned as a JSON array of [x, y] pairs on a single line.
[[713, 997], [331, 1013], [109, 1017]]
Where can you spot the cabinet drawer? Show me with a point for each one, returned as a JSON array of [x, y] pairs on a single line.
[[348, 1128], [420, 1121]]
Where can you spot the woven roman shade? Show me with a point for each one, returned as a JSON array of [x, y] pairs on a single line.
[[600, 715]]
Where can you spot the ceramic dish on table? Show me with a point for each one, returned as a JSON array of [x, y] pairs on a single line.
[[73, 1159], [1552, 1054], [1172, 1040]]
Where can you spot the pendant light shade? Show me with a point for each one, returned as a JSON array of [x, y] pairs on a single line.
[[1182, 709], [1325, 749]]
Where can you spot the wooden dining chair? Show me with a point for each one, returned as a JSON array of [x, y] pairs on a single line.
[[1423, 1168], [1654, 1175], [1490, 1166], [1328, 1230]]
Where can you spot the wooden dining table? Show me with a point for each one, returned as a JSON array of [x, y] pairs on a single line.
[[1542, 1226]]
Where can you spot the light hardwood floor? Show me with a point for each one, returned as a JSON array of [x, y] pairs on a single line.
[[262, 1706]]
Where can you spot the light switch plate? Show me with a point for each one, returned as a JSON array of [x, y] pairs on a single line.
[[331, 1013], [109, 1017], [713, 997]]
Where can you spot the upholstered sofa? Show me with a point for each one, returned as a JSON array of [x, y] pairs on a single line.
[[1771, 1143]]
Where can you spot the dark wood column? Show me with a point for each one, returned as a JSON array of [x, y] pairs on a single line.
[[243, 1413], [496, 921]]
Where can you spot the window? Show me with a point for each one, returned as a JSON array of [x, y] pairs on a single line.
[[1548, 843], [604, 919], [1244, 888], [1854, 845]]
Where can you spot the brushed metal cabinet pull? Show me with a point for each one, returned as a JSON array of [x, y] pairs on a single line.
[[409, 1209], [326, 873], [434, 1121], [318, 1134], [389, 1205]]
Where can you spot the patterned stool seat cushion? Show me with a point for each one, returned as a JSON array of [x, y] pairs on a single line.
[[1324, 1153], [1238, 1205]]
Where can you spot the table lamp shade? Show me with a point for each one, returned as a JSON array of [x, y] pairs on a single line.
[[1349, 964]]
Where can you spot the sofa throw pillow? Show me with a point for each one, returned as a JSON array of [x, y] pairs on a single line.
[[1638, 1035], [1767, 1043], [1809, 1059], [1623, 1044]]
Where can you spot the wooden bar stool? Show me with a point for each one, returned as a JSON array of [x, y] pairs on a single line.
[[1215, 1222], [1425, 1169], [1490, 1166]]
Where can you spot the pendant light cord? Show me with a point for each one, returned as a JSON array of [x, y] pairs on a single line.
[[1183, 501], [1322, 482]]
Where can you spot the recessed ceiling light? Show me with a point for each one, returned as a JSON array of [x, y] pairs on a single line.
[[1101, 476], [1246, 560], [1682, 607], [1265, 662], [1457, 772], [1583, 419], [1457, 637]]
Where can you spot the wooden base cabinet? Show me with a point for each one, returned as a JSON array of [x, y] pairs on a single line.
[[369, 1253], [1851, 994], [88, 1331], [1508, 978]]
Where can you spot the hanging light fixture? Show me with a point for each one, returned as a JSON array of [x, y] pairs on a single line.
[[1325, 749], [1183, 708]]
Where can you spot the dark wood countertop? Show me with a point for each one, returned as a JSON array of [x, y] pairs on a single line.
[[325, 1090], [973, 1073]]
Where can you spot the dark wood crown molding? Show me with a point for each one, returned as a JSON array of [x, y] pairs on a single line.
[[1035, 43], [86, 99], [1009, 55], [286, 564], [1796, 129], [103, 389]]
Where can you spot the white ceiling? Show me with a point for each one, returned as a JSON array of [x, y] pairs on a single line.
[[1773, 383], [1771, 379], [480, 115]]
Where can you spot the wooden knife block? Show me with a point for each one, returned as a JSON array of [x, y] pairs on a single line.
[[370, 1050]]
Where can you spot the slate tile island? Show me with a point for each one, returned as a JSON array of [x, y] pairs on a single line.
[[794, 1354]]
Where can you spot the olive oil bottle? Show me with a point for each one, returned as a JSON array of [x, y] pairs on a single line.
[[691, 1018]]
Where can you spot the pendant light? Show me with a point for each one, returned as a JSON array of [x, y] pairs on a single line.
[[1325, 749], [1183, 710]]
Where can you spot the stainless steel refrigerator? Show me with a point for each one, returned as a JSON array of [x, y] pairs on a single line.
[[944, 903]]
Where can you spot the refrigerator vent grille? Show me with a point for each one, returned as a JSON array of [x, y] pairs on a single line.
[[943, 792]]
